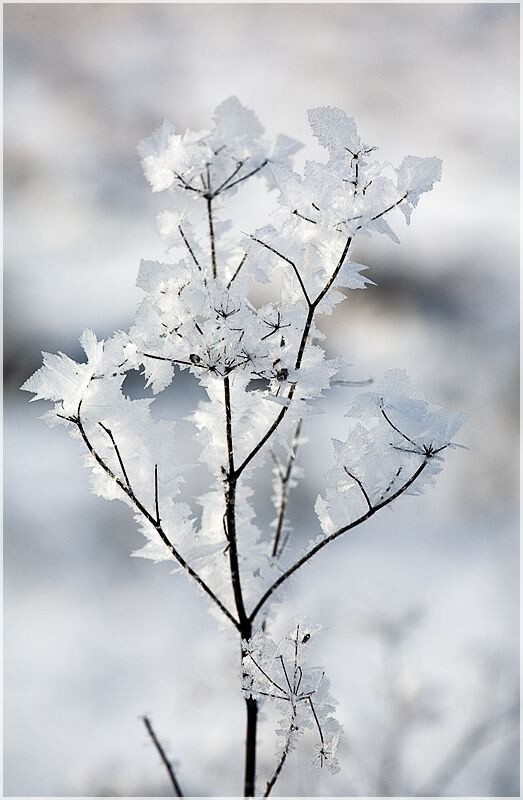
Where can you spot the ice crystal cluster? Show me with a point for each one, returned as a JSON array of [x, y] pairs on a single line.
[[264, 372], [300, 692]]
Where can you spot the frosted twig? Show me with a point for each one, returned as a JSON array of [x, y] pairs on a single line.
[[285, 478], [149, 517]]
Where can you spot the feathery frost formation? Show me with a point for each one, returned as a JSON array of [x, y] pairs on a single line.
[[264, 372], [300, 692]]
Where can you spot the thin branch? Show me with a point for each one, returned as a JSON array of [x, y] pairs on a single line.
[[301, 351], [171, 360], [285, 481], [156, 501], [277, 685], [288, 260], [324, 542], [286, 676], [186, 185], [222, 185], [403, 435], [117, 451], [334, 274], [386, 210], [274, 696], [302, 216], [230, 512], [211, 234], [161, 752], [322, 740], [364, 382], [149, 517], [363, 490], [281, 762], [189, 248], [238, 268], [245, 177]]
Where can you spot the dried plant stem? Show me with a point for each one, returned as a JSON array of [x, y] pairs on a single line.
[[285, 481], [281, 762], [328, 539], [161, 752], [149, 517]]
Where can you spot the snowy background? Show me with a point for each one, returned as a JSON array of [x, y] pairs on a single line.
[[421, 604]]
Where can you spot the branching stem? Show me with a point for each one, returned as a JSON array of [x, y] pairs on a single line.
[[328, 539], [301, 350], [149, 517]]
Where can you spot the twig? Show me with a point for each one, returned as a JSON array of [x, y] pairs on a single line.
[[239, 165], [149, 517], [301, 350], [117, 451], [285, 481], [277, 685], [156, 502], [211, 234], [281, 762], [189, 248], [363, 490], [386, 210], [161, 752], [403, 435], [322, 740], [245, 177], [291, 693], [302, 216], [238, 268], [288, 261], [324, 542]]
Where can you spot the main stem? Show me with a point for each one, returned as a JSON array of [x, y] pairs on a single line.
[[249, 784], [245, 627]]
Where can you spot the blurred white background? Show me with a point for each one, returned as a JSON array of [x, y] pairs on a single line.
[[93, 638]]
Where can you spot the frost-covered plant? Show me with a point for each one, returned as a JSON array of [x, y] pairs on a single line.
[[264, 372]]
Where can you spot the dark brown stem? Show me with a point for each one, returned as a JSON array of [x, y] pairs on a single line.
[[161, 752], [324, 542]]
